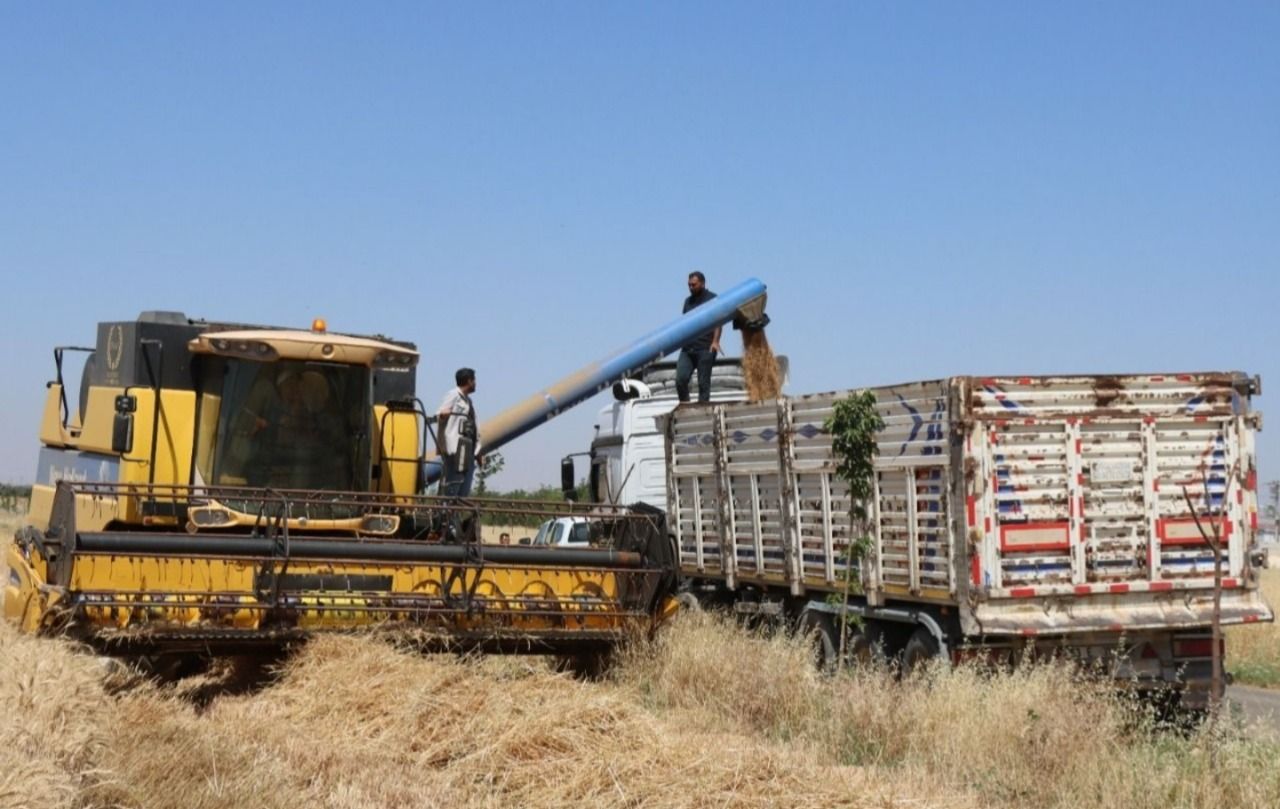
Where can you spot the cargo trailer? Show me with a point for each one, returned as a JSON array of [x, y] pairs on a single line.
[[1009, 514]]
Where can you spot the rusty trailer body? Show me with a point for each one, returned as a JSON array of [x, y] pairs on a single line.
[[1008, 511]]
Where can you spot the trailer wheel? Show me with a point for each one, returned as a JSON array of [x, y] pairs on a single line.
[[820, 630], [859, 650], [921, 648], [689, 602]]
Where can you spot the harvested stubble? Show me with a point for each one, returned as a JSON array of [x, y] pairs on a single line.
[[706, 715], [760, 367], [352, 722]]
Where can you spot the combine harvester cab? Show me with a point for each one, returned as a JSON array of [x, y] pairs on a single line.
[[1046, 513], [221, 488]]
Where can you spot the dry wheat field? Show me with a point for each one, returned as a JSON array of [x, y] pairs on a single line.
[[705, 714]]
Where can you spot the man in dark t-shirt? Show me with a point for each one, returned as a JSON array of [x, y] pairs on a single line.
[[700, 352]]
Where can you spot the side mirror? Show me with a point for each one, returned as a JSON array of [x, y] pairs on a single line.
[[122, 428], [567, 485]]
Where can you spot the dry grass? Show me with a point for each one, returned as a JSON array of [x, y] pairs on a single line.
[[1036, 737], [352, 722], [10, 521], [706, 715], [1253, 652]]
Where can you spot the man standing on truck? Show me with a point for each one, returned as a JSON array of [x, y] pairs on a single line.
[[701, 351], [458, 438]]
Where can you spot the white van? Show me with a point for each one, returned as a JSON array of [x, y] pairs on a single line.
[[564, 532]]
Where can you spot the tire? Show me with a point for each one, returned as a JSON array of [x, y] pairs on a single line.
[[860, 650], [689, 603], [921, 649], [820, 629]]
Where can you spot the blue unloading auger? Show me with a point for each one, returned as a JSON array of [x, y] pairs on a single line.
[[743, 304]]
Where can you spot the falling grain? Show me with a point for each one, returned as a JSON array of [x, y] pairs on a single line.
[[760, 367]]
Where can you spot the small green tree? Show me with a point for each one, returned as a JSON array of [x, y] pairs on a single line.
[[853, 425], [490, 466]]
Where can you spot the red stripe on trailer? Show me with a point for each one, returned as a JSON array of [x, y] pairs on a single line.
[[1071, 420], [1022, 592], [1202, 418], [1079, 446], [1251, 480], [989, 381], [1230, 582], [971, 503], [1190, 533], [1080, 478], [1184, 377], [1148, 419], [1083, 589], [1251, 619], [975, 571], [1028, 421], [1161, 585], [1116, 628], [1253, 520], [1157, 379], [1082, 506], [1024, 380], [1028, 631], [1155, 484], [1240, 496], [1087, 420], [1119, 588], [987, 521], [1082, 533], [1038, 536]]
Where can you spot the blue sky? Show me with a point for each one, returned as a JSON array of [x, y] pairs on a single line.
[[927, 189]]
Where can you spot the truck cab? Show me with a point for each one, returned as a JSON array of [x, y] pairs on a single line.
[[627, 459]]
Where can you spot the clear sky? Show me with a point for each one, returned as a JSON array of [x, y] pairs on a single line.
[[927, 189]]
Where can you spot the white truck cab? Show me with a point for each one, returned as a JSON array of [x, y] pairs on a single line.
[[563, 532], [627, 460]]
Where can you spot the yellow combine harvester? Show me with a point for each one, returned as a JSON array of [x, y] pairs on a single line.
[[220, 488]]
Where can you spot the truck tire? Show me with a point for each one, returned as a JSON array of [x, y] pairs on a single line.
[[921, 649], [689, 602], [819, 629]]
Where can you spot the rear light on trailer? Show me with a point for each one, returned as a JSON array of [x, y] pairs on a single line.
[[1193, 647]]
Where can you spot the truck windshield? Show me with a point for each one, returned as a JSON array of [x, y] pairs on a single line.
[[544, 531], [287, 425]]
